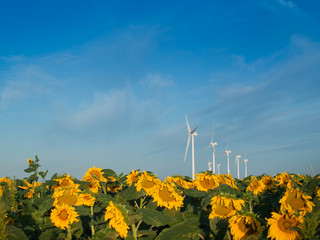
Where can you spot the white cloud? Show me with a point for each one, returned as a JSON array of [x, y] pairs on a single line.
[[155, 80], [25, 82], [285, 3]]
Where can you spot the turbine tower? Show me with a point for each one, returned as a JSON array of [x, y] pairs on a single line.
[[190, 134], [218, 166], [228, 152], [238, 163], [245, 167], [209, 166], [213, 144]]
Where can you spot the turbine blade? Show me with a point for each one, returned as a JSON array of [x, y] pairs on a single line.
[[189, 130], [206, 147], [185, 155], [193, 130]]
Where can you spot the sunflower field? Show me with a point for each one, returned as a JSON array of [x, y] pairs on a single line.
[[105, 205]]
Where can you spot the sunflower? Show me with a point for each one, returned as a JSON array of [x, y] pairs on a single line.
[[284, 180], [64, 182], [267, 183], [225, 207], [226, 179], [86, 199], [1, 191], [117, 220], [132, 177], [318, 193], [243, 226], [281, 226], [255, 186], [205, 181], [294, 200], [30, 161], [67, 196], [31, 188], [166, 196], [64, 215], [94, 186], [8, 181], [94, 174], [147, 182], [180, 182]]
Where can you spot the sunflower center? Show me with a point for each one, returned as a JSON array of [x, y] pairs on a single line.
[[286, 224], [63, 215], [166, 195], [297, 203], [96, 174], [147, 184], [68, 198], [222, 210], [207, 184]]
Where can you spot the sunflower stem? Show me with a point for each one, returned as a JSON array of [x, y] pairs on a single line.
[[92, 227], [69, 236], [104, 188]]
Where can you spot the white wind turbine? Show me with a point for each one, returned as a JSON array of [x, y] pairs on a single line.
[[227, 152], [218, 166], [238, 163], [213, 144], [192, 134], [245, 167], [209, 166]]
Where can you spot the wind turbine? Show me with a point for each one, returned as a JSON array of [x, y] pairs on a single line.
[[245, 167], [209, 166], [212, 144], [238, 163], [218, 166], [227, 152], [190, 134]]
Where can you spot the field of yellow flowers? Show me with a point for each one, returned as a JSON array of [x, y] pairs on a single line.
[[104, 205]]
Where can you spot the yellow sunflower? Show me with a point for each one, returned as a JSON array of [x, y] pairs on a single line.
[[181, 182], [67, 196], [147, 182], [242, 227], [1, 191], [64, 182], [94, 174], [204, 182], [86, 199], [166, 196], [318, 193], [117, 220], [294, 200], [267, 183], [132, 177], [281, 226], [31, 188], [284, 180], [63, 216], [30, 161], [6, 180], [255, 186], [226, 179], [225, 207]]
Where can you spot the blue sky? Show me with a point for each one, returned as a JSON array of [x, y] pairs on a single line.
[[108, 84]]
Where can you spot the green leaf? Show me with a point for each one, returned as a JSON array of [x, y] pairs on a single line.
[[154, 217], [184, 230], [46, 204], [195, 193], [50, 234], [131, 193], [106, 234], [43, 174], [29, 170], [14, 233], [109, 173]]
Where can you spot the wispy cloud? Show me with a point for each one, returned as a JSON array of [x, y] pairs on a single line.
[[155, 80], [24, 82]]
